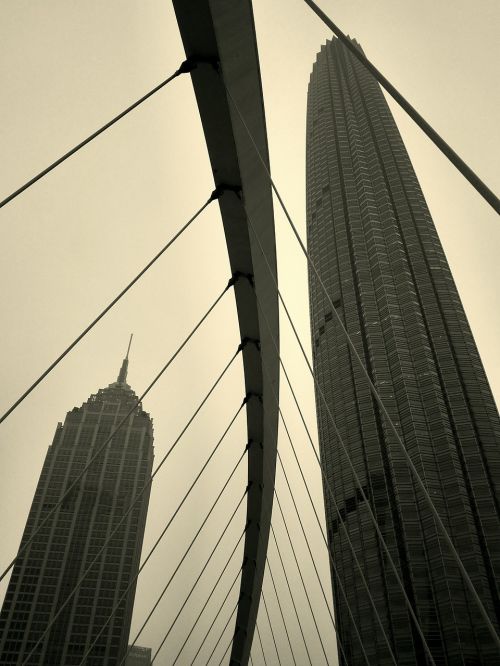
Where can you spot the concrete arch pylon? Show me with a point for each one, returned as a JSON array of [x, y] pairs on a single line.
[[220, 36]]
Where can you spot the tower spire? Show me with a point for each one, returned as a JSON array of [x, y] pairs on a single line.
[[122, 376]]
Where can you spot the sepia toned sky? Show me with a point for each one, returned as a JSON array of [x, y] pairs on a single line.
[[70, 243]]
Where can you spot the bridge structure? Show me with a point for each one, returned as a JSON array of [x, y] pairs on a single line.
[[222, 60]]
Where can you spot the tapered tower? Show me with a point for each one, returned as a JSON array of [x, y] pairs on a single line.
[[372, 238], [47, 571]]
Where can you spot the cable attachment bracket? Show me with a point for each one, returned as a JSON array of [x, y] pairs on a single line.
[[237, 275], [246, 341], [251, 395], [193, 61], [222, 188]]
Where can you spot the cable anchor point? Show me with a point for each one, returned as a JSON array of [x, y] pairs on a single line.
[[237, 275], [251, 395], [193, 61], [222, 188], [246, 341]]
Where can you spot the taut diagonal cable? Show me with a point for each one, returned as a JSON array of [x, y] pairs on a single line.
[[192, 590], [334, 568], [270, 626], [346, 531], [229, 559], [160, 597], [353, 470], [332, 496], [355, 475], [271, 481], [226, 651], [110, 437], [438, 141], [378, 400], [215, 195], [300, 574], [187, 66], [314, 565], [181, 504], [221, 606], [291, 594], [281, 610], [222, 634], [260, 643]]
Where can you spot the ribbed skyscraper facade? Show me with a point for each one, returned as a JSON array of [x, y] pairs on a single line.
[[373, 240], [65, 547]]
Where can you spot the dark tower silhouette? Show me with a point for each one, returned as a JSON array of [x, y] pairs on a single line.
[[372, 238], [51, 565]]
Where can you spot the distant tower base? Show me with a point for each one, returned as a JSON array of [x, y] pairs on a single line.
[[138, 656]]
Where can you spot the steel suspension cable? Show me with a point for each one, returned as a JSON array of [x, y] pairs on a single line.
[[300, 574], [317, 573], [182, 560], [284, 571], [444, 532], [271, 480], [270, 625], [438, 141], [113, 433], [215, 195], [342, 589], [108, 540], [339, 641], [214, 620], [181, 504], [281, 610], [353, 470], [187, 66], [210, 596], [332, 497], [226, 651], [346, 532], [260, 642], [222, 633], [291, 594]]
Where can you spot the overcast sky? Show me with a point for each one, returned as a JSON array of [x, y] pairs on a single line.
[[71, 242]]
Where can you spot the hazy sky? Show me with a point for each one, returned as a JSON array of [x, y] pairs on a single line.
[[71, 242]]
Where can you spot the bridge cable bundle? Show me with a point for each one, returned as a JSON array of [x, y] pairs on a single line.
[[376, 396]]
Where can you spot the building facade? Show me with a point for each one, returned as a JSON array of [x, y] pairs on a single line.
[[47, 571], [138, 656], [372, 238]]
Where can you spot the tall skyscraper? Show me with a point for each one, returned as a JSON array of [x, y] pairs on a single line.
[[373, 240], [47, 571]]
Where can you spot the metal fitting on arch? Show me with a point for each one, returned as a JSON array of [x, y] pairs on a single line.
[[246, 341], [251, 395], [222, 188], [238, 275], [193, 61]]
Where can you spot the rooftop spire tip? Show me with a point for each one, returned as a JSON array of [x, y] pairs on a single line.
[[129, 343], [122, 376]]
